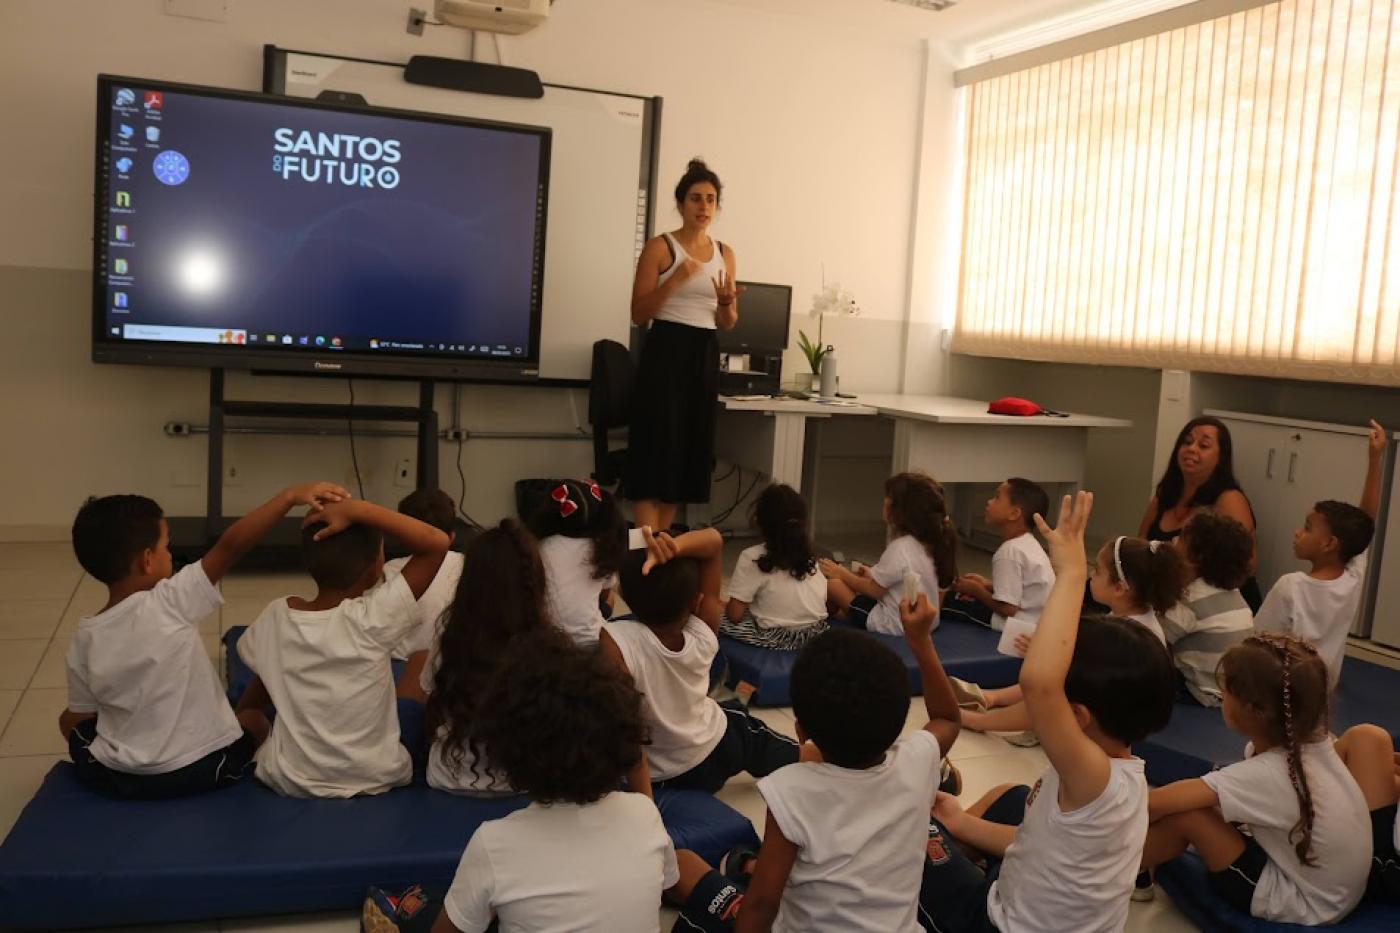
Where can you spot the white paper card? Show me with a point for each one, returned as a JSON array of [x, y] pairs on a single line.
[[1014, 629]]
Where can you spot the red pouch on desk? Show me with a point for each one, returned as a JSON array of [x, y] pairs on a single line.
[[1022, 407]]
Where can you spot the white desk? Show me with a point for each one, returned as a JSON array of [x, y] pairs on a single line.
[[953, 439]]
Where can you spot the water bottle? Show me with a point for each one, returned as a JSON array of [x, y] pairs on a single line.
[[828, 389]]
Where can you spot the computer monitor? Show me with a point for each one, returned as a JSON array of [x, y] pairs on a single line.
[[763, 320]]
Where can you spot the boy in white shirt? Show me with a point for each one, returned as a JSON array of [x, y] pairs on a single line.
[[324, 663], [431, 507], [146, 714], [1021, 572], [1092, 688], [1319, 606], [844, 843], [696, 743]]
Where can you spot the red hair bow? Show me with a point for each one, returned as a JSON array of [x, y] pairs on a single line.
[[560, 495], [595, 492]]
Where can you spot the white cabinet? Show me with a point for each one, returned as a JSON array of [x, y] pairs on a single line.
[[1286, 466], [1385, 627]]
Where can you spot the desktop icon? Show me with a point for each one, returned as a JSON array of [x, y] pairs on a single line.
[[171, 167], [126, 97], [373, 343], [471, 349], [239, 337], [335, 341], [252, 338], [116, 331], [123, 199], [121, 233], [119, 300], [120, 266], [286, 338], [154, 100], [123, 165], [125, 131], [152, 134], [320, 341], [303, 340], [271, 338]]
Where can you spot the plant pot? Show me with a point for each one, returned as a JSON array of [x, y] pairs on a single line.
[[808, 382]]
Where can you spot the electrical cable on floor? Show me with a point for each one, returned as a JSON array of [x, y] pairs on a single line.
[[738, 498], [350, 429]]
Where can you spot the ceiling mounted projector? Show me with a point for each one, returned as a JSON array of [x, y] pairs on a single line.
[[510, 17]]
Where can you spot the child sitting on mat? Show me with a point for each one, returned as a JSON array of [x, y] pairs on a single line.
[[777, 597], [564, 726], [922, 541], [1092, 688], [1021, 574], [1305, 853], [1212, 616], [696, 743], [1369, 754], [1137, 580], [1320, 606], [431, 507], [844, 843], [324, 663], [583, 539], [146, 715], [499, 600]]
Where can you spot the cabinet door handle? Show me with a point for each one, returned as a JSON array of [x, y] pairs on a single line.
[[1269, 467], [1292, 464]]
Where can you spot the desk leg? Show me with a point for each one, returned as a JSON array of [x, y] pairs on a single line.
[[811, 460], [789, 444]]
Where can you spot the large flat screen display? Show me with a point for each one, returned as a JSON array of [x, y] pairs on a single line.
[[259, 232]]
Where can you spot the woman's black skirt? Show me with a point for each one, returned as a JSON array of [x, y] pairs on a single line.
[[671, 444]]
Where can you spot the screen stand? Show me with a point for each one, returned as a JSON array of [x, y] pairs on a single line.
[[281, 549]]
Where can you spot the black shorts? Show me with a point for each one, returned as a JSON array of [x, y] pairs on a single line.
[[859, 613], [222, 768], [1384, 884], [1237, 882], [747, 745], [966, 608]]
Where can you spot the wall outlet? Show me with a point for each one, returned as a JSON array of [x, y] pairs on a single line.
[[232, 477], [403, 472]]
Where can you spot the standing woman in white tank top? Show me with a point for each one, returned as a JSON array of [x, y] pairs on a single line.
[[685, 289]]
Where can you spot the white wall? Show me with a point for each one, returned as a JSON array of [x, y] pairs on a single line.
[[817, 130]]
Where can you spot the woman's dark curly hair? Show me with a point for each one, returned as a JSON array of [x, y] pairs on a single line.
[[780, 515], [559, 721], [583, 509], [500, 597], [697, 172], [919, 508], [1219, 547]]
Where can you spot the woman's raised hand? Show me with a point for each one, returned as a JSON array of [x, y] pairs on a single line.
[[726, 291]]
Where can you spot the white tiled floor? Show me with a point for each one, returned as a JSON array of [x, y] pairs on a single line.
[[34, 635]]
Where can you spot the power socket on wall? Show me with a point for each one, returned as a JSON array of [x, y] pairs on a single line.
[[403, 472]]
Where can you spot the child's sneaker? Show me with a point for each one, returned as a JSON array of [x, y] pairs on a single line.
[[950, 778], [1027, 739], [1142, 888]]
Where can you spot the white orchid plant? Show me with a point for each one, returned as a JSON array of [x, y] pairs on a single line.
[[831, 301]]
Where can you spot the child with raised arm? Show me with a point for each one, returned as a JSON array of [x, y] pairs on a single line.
[[696, 743], [1306, 852], [1320, 605], [146, 715], [1021, 572], [1092, 688], [432, 507], [324, 663]]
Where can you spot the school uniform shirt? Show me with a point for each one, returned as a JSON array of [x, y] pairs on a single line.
[[777, 599], [565, 867], [1021, 576], [473, 777], [1149, 621], [142, 668], [686, 724], [571, 590], [337, 731], [1206, 623], [1258, 792], [1075, 870], [861, 838], [1320, 611], [901, 554], [433, 605]]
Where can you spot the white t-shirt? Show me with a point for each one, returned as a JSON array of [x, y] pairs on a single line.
[[1258, 792], [901, 554], [1021, 576], [142, 668], [432, 605], [686, 724], [1320, 611], [777, 599], [861, 838], [1149, 621], [473, 778], [337, 730], [570, 589], [1075, 870], [564, 867]]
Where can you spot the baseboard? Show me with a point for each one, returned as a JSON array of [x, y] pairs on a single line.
[[1364, 649], [31, 533]]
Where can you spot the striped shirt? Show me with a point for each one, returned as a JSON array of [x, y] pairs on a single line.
[[1200, 629]]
